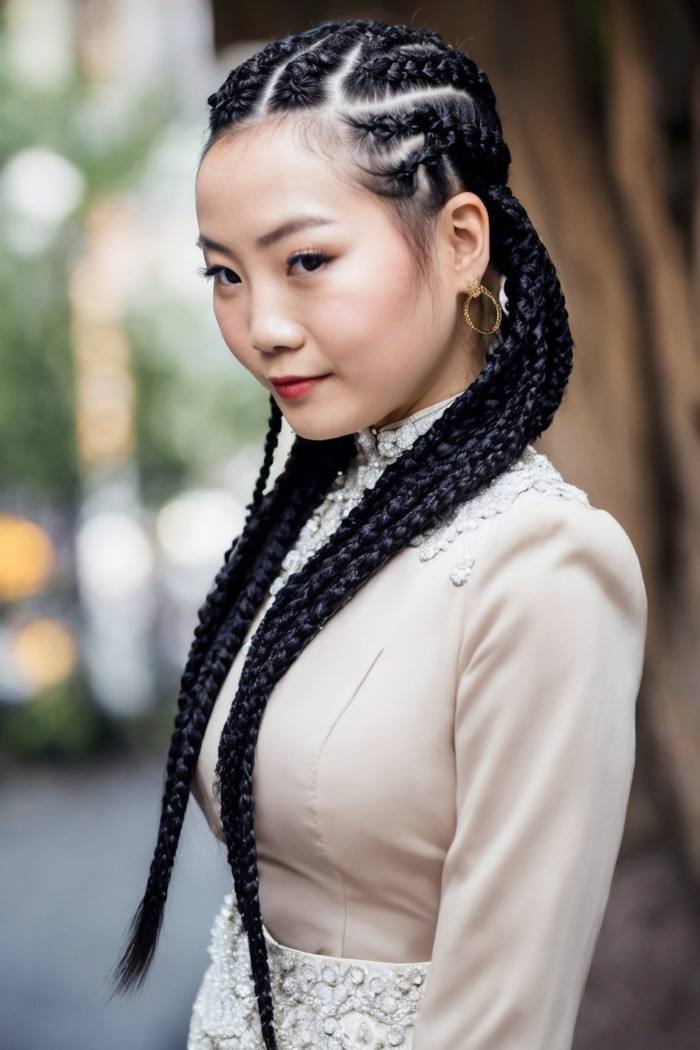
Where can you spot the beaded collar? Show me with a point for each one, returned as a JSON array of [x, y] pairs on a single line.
[[385, 444]]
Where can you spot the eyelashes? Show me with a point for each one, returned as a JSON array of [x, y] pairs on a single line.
[[208, 272], [318, 257]]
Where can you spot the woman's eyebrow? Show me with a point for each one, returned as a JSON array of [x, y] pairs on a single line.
[[290, 226]]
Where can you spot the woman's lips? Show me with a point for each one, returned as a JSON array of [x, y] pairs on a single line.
[[298, 387]]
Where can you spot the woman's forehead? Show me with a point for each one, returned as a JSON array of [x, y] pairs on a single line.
[[273, 163], [262, 183]]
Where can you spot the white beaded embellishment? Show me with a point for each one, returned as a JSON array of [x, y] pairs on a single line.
[[376, 449], [318, 1002], [533, 470]]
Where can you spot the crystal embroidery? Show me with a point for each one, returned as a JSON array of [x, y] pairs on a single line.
[[319, 1002], [376, 448]]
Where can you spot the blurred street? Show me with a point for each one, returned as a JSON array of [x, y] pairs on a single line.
[[76, 847]]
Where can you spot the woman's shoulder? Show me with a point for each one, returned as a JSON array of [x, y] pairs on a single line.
[[557, 519], [549, 567], [530, 519]]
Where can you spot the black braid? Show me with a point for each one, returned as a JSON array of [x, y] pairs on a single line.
[[270, 445], [194, 706], [451, 128], [478, 147], [244, 84]]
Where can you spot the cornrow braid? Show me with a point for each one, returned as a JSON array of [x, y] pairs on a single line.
[[412, 67], [475, 145], [242, 87], [419, 122]]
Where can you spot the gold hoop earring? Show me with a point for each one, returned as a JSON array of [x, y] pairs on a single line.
[[475, 289]]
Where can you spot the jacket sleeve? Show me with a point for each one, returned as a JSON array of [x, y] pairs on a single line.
[[548, 674]]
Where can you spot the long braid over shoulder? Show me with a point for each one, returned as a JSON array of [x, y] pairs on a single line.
[[417, 123]]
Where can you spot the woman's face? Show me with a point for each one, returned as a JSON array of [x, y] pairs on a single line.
[[339, 297]]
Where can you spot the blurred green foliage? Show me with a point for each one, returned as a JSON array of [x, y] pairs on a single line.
[[59, 722], [37, 441], [186, 416], [37, 444]]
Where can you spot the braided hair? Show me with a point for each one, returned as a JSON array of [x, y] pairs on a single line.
[[418, 120]]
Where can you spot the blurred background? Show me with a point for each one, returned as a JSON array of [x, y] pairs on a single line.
[[130, 441]]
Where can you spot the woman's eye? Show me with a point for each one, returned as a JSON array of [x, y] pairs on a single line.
[[312, 259], [227, 278], [213, 271]]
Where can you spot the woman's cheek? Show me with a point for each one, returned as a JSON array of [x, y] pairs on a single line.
[[351, 313], [227, 328], [233, 344], [220, 314]]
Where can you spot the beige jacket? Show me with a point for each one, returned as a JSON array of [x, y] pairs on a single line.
[[443, 773]]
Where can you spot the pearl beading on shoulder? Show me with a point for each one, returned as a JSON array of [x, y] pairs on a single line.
[[533, 470], [319, 1002]]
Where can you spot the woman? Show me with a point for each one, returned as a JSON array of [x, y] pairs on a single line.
[[418, 666]]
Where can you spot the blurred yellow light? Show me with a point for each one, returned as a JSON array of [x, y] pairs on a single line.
[[105, 392], [45, 651], [26, 557]]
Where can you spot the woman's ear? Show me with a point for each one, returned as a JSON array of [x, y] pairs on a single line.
[[463, 232]]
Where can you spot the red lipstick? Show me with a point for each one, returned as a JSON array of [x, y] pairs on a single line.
[[295, 386]]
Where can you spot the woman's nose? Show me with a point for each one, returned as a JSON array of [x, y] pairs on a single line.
[[270, 329]]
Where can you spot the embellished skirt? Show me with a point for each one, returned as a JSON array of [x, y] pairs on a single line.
[[320, 1002]]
